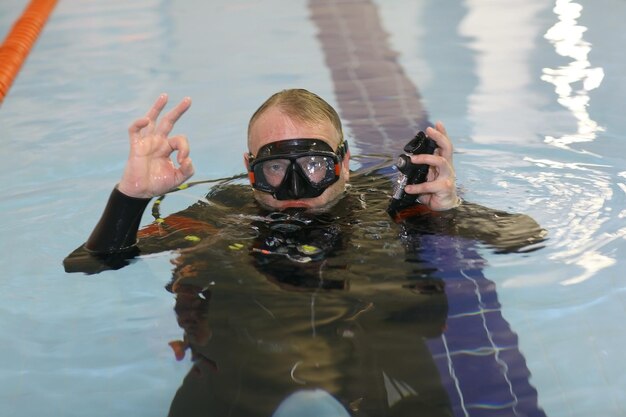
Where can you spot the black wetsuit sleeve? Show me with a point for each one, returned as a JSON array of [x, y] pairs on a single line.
[[502, 231], [114, 240], [117, 229]]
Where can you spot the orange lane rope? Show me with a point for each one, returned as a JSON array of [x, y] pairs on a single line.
[[20, 40]]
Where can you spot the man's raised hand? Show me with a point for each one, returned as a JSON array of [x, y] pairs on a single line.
[[150, 171]]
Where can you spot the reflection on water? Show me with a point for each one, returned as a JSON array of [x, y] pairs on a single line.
[[574, 81], [622, 186], [586, 189], [502, 35], [577, 236], [576, 194]]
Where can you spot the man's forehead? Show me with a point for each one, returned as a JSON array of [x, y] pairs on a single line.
[[274, 126]]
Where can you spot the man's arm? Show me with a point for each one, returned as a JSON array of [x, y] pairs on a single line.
[[501, 231], [114, 239], [442, 210], [149, 172]]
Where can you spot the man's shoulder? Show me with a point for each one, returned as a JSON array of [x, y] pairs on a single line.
[[231, 195]]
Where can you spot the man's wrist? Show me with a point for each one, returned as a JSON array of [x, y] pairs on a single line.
[[131, 191]]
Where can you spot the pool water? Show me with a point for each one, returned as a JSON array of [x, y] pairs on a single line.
[[530, 91]]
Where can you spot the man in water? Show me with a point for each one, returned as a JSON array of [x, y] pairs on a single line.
[[297, 161], [285, 116], [289, 124]]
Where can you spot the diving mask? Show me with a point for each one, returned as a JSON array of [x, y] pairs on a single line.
[[296, 168]]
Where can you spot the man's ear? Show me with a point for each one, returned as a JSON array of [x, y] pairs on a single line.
[[345, 164], [246, 160]]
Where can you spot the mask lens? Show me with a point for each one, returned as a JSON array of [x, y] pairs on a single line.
[[275, 170], [318, 169]]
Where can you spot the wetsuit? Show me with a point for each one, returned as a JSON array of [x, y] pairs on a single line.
[[347, 301]]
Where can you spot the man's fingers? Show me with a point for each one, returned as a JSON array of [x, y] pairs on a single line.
[[167, 122], [439, 191], [429, 187], [157, 107], [186, 169], [441, 128], [439, 135], [134, 131], [440, 162], [181, 144], [444, 179]]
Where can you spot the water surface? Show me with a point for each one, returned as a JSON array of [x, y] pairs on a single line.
[[531, 94]]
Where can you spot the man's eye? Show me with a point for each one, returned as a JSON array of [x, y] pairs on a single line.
[[276, 167]]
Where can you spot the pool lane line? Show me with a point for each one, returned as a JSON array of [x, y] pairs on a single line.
[[381, 105], [20, 40]]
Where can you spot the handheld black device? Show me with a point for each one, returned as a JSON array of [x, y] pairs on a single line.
[[410, 173]]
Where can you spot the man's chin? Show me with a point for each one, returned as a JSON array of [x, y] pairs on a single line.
[[317, 204], [280, 205], [287, 204]]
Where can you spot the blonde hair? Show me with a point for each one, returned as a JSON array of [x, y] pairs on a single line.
[[301, 105]]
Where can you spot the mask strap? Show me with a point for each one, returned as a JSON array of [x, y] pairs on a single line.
[[342, 149]]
